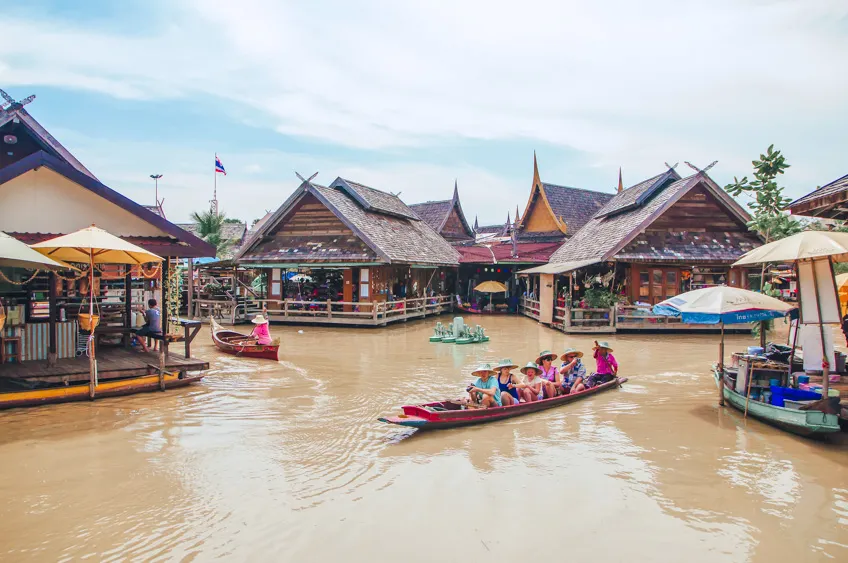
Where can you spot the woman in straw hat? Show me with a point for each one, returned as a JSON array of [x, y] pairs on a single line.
[[485, 391], [607, 366], [260, 331], [532, 389], [572, 373], [507, 382], [549, 372]]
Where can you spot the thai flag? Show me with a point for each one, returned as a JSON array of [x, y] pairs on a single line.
[[219, 167]]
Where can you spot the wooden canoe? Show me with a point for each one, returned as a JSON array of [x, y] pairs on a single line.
[[801, 422], [450, 414], [471, 311], [232, 342], [80, 391]]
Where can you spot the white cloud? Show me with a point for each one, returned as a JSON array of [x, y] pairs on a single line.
[[625, 83]]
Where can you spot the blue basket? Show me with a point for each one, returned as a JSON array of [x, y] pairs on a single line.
[[779, 394]]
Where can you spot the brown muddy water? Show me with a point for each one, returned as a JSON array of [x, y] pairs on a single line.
[[286, 461]]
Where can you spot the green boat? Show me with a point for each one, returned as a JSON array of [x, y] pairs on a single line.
[[803, 423], [435, 339]]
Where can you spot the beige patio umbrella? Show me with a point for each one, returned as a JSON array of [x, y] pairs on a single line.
[[810, 248], [490, 287], [15, 254], [94, 246]]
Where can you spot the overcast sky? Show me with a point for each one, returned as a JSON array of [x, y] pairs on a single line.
[[408, 96]]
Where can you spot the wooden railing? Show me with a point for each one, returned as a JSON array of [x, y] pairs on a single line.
[[339, 312], [641, 316], [586, 319], [529, 307]]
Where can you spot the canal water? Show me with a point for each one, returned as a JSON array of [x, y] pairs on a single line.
[[286, 461]]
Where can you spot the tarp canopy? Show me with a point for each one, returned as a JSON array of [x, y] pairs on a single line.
[[560, 267]]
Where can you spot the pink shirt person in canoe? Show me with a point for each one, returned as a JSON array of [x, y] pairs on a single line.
[[260, 331]]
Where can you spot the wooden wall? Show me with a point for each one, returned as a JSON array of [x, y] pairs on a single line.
[[697, 211], [539, 219], [453, 228]]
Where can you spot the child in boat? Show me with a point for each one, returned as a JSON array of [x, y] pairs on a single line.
[[607, 367], [572, 374], [485, 391], [260, 331], [152, 325], [532, 389], [507, 382], [549, 372]]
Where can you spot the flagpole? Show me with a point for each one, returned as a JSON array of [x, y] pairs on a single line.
[[215, 191]]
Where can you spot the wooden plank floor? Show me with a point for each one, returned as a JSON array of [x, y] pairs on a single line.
[[111, 363]]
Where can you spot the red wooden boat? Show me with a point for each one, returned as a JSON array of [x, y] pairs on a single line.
[[451, 414], [239, 344]]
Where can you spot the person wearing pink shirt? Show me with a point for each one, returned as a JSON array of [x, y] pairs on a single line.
[[260, 331], [607, 366]]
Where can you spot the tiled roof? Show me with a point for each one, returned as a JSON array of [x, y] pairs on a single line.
[[575, 206], [689, 247], [374, 200], [527, 253], [229, 231], [602, 235], [433, 212], [637, 194], [829, 194], [396, 239]]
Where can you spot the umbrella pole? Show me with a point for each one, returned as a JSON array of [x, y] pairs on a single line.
[[721, 368], [794, 344], [92, 360], [825, 363]]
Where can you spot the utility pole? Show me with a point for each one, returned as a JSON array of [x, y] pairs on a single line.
[[156, 179]]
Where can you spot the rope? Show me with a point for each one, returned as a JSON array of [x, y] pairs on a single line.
[[73, 277], [32, 277]]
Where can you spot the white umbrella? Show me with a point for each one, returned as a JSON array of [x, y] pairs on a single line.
[[722, 305], [807, 246], [95, 246], [15, 254], [300, 278]]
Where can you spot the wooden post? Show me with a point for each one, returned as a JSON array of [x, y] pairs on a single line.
[[163, 346], [329, 309], [721, 368], [285, 308], [52, 312], [190, 304], [763, 329], [374, 310], [128, 303]]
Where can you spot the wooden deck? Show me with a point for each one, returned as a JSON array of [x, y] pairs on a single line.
[[112, 363]]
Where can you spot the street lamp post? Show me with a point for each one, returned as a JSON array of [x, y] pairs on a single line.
[[156, 179]]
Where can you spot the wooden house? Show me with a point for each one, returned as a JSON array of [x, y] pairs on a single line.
[[46, 192], [350, 254], [446, 218], [658, 238]]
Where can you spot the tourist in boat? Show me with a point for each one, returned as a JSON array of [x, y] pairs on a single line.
[[572, 374], [507, 382], [607, 366], [260, 331], [549, 372], [532, 389], [152, 325], [485, 391]]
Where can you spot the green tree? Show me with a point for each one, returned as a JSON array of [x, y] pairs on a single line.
[[210, 228]]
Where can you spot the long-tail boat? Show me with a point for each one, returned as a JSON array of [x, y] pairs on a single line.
[[80, 391], [451, 414], [808, 422], [244, 345]]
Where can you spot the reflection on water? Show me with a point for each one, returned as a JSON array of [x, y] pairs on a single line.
[[285, 461]]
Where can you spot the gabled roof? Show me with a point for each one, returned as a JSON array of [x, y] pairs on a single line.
[[570, 208], [636, 195], [605, 235], [437, 213], [48, 143], [187, 244], [374, 200], [827, 201], [379, 224]]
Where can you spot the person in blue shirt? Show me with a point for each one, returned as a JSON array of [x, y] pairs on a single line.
[[152, 325], [485, 391], [572, 374]]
